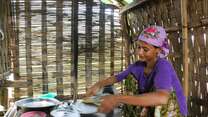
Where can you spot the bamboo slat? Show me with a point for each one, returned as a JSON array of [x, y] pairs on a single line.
[[5, 41], [102, 41], [184, 21], [15, 49], [44, 47], [5, 22], [198, 50], [88, 54], [126, 39], [2, 33], [28, 46], [112, 41], [74, 48], [59, 47]]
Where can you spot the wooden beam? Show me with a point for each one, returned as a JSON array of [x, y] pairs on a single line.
[[15, 84], [132, 5]]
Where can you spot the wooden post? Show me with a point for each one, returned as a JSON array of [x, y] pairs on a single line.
[[184, 15], [59, 47], [44, 47], [74, 49]]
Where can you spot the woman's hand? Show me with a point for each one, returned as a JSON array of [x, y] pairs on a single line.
[[93, 90], [96, 87], [108, 103], [144, 112]]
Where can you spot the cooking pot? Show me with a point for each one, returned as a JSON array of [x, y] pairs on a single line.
[[37, 104]]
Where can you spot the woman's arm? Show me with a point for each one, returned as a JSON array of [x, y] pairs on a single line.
[[97, 86], [148, 99]]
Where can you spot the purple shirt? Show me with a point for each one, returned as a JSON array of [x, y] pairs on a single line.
[[163, 76]]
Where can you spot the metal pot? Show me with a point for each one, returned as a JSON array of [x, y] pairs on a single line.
[[37, 104]]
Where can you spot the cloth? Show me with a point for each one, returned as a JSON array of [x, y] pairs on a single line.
[[34, 114], [156, 36], [163, 76]]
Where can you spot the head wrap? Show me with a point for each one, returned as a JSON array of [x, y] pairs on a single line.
[[156, 36]]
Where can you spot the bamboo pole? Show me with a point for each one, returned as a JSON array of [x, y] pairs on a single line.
[[28, 34], [74, 49], [59, 47], [88, 54], [126, 38], [15, 49], [102, 41], [184, 20], [112, 42], [44, 47]]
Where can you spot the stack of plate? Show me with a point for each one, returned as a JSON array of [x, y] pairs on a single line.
[[65, 110]]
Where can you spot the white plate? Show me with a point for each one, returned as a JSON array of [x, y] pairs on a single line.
[[56, 113], [65, 111], [85, 108]]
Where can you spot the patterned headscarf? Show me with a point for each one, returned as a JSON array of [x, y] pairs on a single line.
[[156, 36]]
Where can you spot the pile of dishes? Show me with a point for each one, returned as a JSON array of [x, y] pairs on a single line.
[[70, 109], [65, 110]]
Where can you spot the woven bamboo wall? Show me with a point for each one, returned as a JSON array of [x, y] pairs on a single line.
[[5, 40], [198, 32], [60, 42], [5, 23], [167, 13]]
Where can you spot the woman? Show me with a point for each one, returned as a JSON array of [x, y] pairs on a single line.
[[156, 78]]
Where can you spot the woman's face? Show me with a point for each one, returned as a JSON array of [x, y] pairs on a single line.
[[146, 52]]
